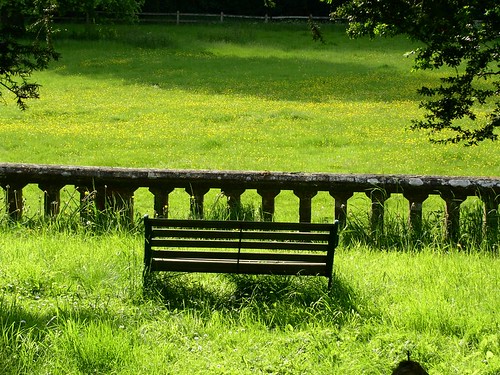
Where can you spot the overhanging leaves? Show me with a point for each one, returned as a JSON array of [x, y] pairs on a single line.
[[459, 34]]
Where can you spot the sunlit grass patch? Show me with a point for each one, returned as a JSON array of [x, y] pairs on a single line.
[[74, 303], [343, 107]]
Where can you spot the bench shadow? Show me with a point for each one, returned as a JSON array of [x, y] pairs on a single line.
[[274, 301]]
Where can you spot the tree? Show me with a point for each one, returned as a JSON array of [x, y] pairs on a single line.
[[25, 46], [121, 10], [460, 34]]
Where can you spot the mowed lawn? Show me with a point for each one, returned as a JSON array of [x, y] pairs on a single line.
[[237, 97]]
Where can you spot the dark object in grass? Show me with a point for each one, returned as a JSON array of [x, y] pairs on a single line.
[[409, 367], [317, 35]]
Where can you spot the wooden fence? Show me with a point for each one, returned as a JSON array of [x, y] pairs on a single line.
[[117, 185], [179, 17], [184, 17]]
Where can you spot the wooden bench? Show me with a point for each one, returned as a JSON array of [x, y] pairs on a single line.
[[241, 247]]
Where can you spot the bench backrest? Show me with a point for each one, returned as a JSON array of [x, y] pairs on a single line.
[[300, 242]]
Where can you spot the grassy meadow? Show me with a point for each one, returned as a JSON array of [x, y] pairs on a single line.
[[238, 97], [249, 97]]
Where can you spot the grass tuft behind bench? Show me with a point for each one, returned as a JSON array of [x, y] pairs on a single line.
[[241, 247]]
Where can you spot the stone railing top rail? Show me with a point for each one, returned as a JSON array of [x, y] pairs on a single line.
[[20, 174]]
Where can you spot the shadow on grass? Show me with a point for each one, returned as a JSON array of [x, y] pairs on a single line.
[[187, 61], [20, 331], [273, 301]]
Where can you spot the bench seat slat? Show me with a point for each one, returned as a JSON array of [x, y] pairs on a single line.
[[176, 254], [204, 244], [232, 266], [227, 234]]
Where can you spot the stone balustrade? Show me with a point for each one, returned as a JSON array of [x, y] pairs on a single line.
[[116, 186]]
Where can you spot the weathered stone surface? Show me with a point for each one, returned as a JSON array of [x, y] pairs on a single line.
[[140, 177]]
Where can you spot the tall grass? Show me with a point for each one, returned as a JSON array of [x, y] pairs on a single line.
[[395, 233], [398, 233], [73, 303]]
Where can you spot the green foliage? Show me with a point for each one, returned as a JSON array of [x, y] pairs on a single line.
[[457, 34], [101, 10], [20, 58], [235, 7]]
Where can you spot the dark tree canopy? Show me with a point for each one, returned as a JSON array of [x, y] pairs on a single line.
[[247, 7], [25, 37], [101, 10], [25, 46], [460, 34]]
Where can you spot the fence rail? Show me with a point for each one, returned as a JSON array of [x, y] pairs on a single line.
[[182, 17], [118, 185]]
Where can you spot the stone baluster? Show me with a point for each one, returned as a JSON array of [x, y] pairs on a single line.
[[14, 200], [122, 199], [233, 197], [197, 196], [415, 203], [51, 198], [452, 216], [100, 194], [340, 212], [491, 216], [161, 200], [305, 204], [87, 200], [378, 198], [268, 197], [119, 199], [233, 201]]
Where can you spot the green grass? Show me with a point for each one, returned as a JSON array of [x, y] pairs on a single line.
[[73, 304], [249, 97], [236, 96], [252, 97]]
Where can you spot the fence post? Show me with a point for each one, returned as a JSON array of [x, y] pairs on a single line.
[[221, 17], [178, 18]]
